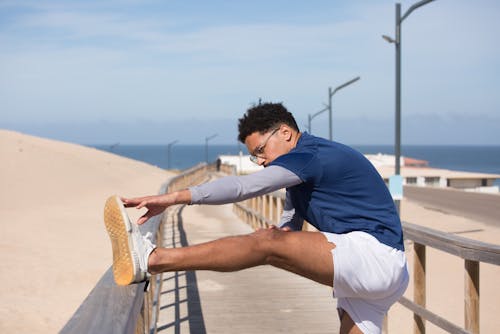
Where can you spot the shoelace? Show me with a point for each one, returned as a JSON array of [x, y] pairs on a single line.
[[147, 240]]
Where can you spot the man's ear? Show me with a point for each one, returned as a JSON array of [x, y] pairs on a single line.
[[286, 132]]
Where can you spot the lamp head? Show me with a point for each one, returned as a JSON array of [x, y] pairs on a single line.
[[388, 39]]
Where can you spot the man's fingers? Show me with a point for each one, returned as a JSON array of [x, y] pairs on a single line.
[[284, 229], [144, 218], [129, 202], [142, 204]]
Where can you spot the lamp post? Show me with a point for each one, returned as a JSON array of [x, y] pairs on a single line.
[[206, 145], [310, 118], [330, 94], [397, 44], [169, 147]]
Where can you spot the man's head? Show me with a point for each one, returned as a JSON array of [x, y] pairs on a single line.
[[268, 130], [263, 118]]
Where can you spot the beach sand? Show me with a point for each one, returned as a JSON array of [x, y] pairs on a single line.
[[54, 247]]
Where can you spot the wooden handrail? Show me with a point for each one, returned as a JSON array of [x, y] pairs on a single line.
[[127, 309], [473, 252], [435, 319], [467, 249]]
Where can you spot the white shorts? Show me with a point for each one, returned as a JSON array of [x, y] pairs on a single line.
[[368, 278]]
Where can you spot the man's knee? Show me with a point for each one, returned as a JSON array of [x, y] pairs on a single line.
[[270, 242], [268, 235]]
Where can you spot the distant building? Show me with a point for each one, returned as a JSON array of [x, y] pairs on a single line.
[[418, 173], [241, 162], [389, 160]]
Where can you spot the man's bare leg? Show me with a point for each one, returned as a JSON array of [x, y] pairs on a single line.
[[305, 253]]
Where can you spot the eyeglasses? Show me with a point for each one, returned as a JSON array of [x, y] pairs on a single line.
[[260, 150]]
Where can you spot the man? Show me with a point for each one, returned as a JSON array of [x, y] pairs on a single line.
[[358, 250]]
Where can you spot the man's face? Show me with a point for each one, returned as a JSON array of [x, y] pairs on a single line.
[[265, 147]]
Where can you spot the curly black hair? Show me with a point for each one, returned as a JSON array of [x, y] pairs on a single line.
[[263, 118]]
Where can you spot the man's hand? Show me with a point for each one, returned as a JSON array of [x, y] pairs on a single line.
[[157, 204], [154, 204]]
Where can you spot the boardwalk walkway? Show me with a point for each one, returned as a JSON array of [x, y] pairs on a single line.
[[258, 300]]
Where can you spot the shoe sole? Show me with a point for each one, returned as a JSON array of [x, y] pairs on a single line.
[[119, 229]]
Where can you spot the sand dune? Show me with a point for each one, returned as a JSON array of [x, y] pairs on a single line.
[[54, 247]]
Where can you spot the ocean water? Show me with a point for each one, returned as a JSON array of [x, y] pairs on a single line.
[[483, 159]]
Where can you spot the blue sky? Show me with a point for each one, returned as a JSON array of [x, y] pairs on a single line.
[[156, 71]]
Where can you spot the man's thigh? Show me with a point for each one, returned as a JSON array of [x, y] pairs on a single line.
[[308, 254]]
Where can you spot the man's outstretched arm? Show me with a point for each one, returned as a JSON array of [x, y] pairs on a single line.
[[232, 189], [229, 189]]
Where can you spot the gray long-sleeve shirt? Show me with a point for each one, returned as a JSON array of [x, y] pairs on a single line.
[[232, 189]]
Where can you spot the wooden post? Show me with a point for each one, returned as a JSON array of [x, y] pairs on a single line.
[[265, 208], [472, 296], [272, 209], [419, 286], [140, 326], [385, 325], [275, 210], [259, 209], [279, 209], [253, 206]]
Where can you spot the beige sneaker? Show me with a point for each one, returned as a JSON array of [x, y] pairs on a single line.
[[131, 249]]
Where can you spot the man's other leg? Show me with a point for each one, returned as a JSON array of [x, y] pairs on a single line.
[[347, 325]]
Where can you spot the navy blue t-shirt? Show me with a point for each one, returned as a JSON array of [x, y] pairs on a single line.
[[341, 190]]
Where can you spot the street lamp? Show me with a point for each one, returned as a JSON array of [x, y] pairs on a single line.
[[310, 118], [330, 94], [397, 43], [169, 147], [206, 145]]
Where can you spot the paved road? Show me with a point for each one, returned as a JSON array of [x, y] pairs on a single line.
[[481, 207]]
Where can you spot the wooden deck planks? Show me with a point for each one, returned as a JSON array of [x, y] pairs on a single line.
[[257, 300]]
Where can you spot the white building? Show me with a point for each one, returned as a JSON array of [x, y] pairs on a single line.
[[417, 172], [241, 162]]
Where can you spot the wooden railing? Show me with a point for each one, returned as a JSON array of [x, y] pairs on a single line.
[[471, 251], [128, 309], [262, 211], [266, 210]]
